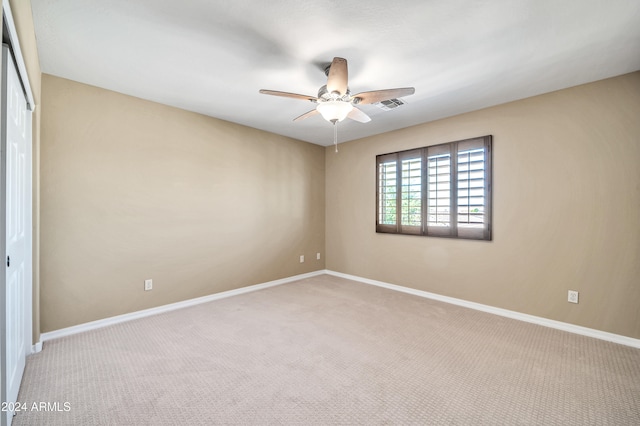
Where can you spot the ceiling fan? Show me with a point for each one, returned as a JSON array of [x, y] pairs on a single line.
[[335, 101]]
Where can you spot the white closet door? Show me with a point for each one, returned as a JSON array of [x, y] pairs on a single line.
[[16, 218]]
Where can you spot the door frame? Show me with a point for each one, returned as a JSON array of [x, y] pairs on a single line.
[[17, 52]]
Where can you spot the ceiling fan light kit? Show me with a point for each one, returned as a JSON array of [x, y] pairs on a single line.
[[334, 100], [334, 110]]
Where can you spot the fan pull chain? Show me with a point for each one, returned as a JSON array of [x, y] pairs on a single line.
[[335, 134]]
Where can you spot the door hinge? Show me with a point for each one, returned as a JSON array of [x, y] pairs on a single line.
[[8, 261]]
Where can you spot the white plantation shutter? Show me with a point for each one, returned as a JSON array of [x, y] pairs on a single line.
[[442, 190], [439, 190], [387, 193], [473, 180], [411, 192]]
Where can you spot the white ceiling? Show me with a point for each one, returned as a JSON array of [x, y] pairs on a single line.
[[212, 57]]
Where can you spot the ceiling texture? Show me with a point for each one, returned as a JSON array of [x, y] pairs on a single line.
[[212, 56]]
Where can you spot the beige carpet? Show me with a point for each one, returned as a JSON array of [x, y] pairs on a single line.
[[331, 351]]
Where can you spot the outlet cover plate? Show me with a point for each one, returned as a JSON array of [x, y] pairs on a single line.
[[572, 296]]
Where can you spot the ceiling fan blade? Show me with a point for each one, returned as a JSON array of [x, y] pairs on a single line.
[[289, 95], [338, 76], [306, 115], [382, 95], [358, 115]]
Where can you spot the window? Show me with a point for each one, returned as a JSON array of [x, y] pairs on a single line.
[[441, 190]]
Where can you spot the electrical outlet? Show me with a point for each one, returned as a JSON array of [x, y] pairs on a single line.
[[148, 285], [302, 258], [573, 296], [317, 256]]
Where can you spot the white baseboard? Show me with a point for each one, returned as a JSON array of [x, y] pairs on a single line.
[[584, 331], [36, 348], [166, 308]]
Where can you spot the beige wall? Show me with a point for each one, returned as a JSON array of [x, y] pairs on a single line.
[[23, 20], [132, 190], [566, 209]]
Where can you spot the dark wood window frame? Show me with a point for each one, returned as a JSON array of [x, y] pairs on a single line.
[[442, 190]]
